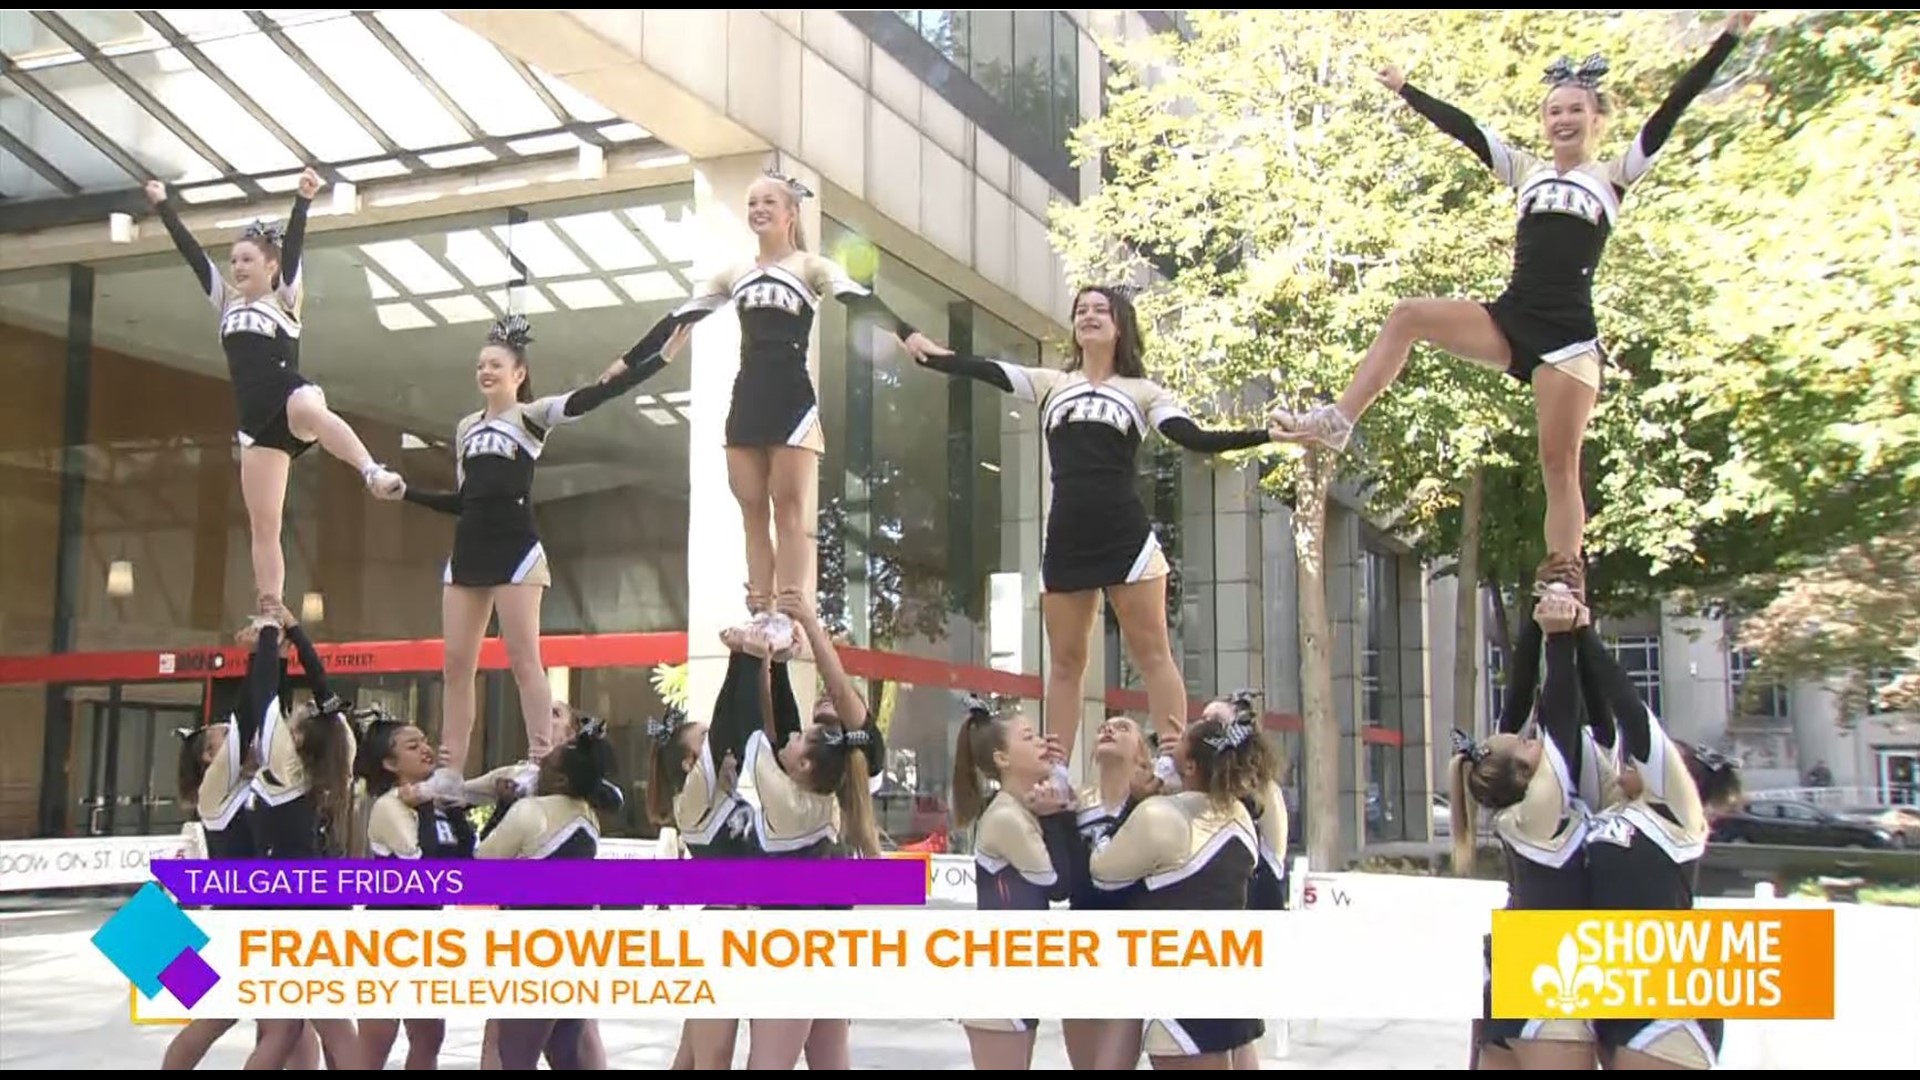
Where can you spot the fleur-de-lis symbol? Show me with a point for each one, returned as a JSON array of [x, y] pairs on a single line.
[[1564, 985]]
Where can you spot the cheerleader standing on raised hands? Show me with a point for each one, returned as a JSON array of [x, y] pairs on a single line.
[[498, 562], [1544, 321], [1095, 414], [1023, 852], [773, 437], [281, 414]]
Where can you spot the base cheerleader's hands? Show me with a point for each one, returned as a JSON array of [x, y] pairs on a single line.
[[1558, 612], [393, 494]]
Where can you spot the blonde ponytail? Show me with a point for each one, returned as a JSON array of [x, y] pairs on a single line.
[[1463, 813]]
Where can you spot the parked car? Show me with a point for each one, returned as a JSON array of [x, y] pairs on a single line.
[[1796, 824], [1903, 822]]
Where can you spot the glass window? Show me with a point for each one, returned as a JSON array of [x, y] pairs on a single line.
[[1032, 79], [1066, 77], [1639, 656], [991, 55], [1762, 700]]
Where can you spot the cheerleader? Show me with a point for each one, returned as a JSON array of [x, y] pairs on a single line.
[[693, 792], [559, 821], [281, 414], [302, 801], [404, 822], [1544, 320], [1541, 778], [810, 792], [497, 559], [1643, 852], [1193, 851], [773, 434], [1023, 852], [1095, 414], [1120, 755]]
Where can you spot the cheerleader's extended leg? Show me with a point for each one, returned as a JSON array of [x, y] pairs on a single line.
[[749, 474]]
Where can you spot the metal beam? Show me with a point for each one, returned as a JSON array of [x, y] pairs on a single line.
[[12, 144], [179, 128], [211, 70], [547, 98], [51, 102], [432, 86], [32, 215], [320, 78]]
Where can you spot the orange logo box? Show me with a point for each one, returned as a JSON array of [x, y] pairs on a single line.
[[1736, 964]]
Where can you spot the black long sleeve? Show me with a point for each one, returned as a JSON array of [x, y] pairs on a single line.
[[655, 339], [1659, 127], [1523, 678], [1183, 432], [1061, 834], [971, 367], [1560, 700], [1450, 119], [590, 397], [293, 245], [736, 710], [262, 688], [1629, 712], [310, 664], [445, 502], [190, 250], [865, 306]]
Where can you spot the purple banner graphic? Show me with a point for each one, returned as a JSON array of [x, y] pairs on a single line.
[[389, 883]]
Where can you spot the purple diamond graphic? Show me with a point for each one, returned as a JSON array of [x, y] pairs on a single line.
[[189, 978]]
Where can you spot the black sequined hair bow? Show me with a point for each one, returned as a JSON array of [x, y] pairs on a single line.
[[858, 737], [794, 187], [1562, 72], [664, 730], [1231, 736], [513, 331], [1464, 746], [271, 232]]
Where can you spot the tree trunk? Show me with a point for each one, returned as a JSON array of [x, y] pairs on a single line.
[[1322, 723], [1466, 611]]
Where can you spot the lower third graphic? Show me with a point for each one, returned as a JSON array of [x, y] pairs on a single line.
[[155, 945]]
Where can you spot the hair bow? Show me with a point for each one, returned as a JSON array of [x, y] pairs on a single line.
[[1713, 761], [591, 727], [271, 231], [664, 730], [1464, 746], [1591, 70], [978, 709], [365, 718], [842, 737], [1233, 735], [513, 331], [1243, 704], [794, 187], [185, 733]]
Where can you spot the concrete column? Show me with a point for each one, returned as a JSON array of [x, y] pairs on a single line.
[[1237, 619], [716, 539], [1344, 575], [1415, 699]]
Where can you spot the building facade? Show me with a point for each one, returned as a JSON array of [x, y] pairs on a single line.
[[583, 168]]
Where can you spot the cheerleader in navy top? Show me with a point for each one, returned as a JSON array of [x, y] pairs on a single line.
[[809, 789], [1644, 849], [1541, 776], [1120, 757], [561, 820], [403, 822], [1095, 414], [1194, 851], [1023, 851], [281, 414], [1568, 206], [773, 434], [498, 562]]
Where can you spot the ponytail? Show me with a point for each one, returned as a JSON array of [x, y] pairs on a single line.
[[1233, 762], [980, 736], [857, 828], [192, 766], [525, 394], [1715, 776], [587, 768], [358, 846], [1462, 809], [326, 751]]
